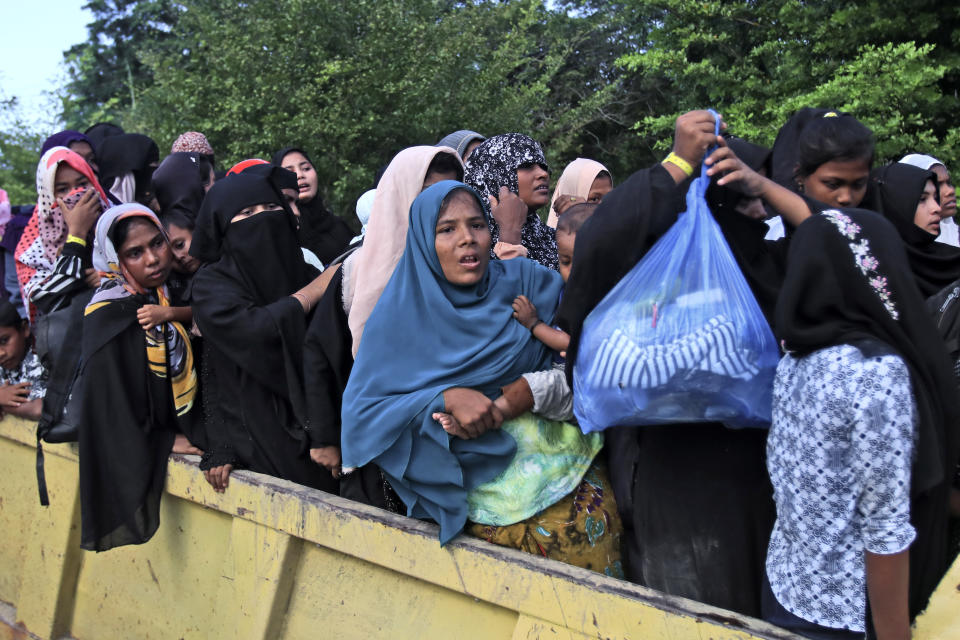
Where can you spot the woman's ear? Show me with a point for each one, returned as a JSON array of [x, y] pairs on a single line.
[[25, 328]]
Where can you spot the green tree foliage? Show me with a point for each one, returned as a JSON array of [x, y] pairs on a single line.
[[356, 81], [19, 153], [892, 64], [106, 72]]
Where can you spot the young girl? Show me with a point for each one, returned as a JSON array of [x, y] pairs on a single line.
[[22, 376], [861, 449], [908, 197], [53, 255], [823, 155], [322, 232], [138, 386], [582, 180]]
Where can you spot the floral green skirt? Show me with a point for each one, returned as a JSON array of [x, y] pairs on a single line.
[[582, 529]]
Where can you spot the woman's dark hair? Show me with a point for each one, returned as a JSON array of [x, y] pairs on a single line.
[[832, 137], [573, 218], [9, 316], [121, 229], [445, 163], [178, 218]]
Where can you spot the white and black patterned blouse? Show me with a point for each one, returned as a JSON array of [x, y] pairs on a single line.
[[30, 370], [839, 456]]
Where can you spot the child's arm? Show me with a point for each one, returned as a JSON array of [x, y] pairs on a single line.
[[526, 314], [887, 579], [30, 410], [150, 315]]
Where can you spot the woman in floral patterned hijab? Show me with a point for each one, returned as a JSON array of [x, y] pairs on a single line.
[[516, 161], [857, 334]]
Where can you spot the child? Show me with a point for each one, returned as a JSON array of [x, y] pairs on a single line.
[[23, 378], [860, 452], [552, 397]]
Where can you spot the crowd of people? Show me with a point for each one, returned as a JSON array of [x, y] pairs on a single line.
[[425, 365]]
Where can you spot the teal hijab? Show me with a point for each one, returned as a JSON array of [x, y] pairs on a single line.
[[426, 335]]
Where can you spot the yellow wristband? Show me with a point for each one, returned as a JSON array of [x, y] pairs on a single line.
[[683, 165], [80, 241]]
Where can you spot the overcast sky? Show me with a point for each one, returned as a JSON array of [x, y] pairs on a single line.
[[33, 37]]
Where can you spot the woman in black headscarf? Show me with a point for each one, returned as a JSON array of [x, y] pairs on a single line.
[[515, 162], [250, 300], [126, 163], [848, 283], [139, 386], [898, 193], [321, 231], [694, 498], [180, 184]]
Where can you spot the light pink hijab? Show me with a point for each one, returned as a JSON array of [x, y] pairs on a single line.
[[386, 236], [575, 181]]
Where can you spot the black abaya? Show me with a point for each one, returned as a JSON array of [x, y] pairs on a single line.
[[695, 500]]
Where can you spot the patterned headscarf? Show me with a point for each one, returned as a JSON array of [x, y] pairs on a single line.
[[168, 345], [192, 141], [493, 165], [46, 233]]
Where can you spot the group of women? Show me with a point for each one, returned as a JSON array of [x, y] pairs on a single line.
[[239, 319]]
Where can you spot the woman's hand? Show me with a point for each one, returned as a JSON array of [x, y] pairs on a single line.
[[565, 201], [734, 171], [12, 396], [694, 134], [151, 315], [328, 457], [82, 216], [510, 212], [219, 477], [475, 412], [525, 312]]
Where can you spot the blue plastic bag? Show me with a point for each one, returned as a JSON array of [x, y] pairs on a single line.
[[680, 339]]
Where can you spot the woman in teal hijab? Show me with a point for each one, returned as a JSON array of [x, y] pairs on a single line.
[[443, 326]]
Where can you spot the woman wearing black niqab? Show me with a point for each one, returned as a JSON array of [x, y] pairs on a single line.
[[253, 328], [322, 232], [895, 192], [827, 301]]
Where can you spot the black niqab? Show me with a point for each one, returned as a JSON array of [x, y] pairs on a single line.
[[895, 192], [847, 282]]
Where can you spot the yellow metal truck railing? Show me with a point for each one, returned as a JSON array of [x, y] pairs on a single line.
[[271, 559]]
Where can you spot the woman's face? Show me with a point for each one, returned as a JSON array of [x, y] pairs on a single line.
[[948, 194], [67, 179], [211, 178], [602, 185], [462, 240], [533, 185], [13, 345], [838, 183], [307, 180], [927, 216], [254, 209], [85, 151], [180, 239], [146, 254]]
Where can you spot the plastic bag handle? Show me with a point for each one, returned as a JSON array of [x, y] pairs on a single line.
[[704, 181]]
